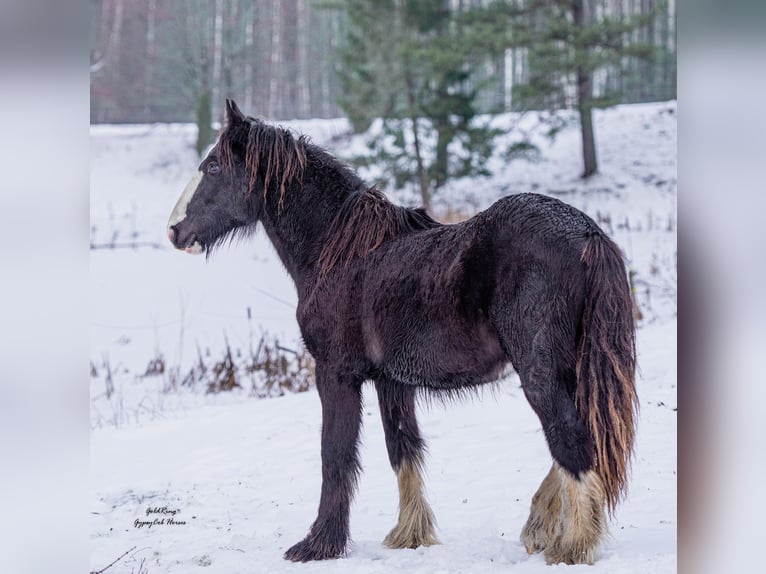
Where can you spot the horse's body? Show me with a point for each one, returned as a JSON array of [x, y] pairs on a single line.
[[421, 309], [389, 295]]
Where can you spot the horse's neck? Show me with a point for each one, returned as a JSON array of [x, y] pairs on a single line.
[[298, 228], [287, 248]]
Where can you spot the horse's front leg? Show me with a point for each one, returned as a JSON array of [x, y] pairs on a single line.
[[341, 399]]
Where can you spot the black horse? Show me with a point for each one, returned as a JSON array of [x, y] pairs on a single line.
[[387, 294]]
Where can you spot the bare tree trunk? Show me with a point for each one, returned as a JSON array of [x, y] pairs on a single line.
[[203, 101], [674, 24], [115, 36], [590, 164], [508, 59], [217, 50], [249, 60], [412, 111], [425, 192], [290, 39], [304, 95], [276, 48], [151, 19], [232, 52], [329, 72], [584, 104]]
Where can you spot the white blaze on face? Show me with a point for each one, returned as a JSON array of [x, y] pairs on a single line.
[[179, 211]]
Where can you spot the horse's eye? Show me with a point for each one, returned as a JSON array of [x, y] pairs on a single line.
[[213, 168]]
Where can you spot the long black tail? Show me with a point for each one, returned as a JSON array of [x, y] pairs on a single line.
[[606, 397]]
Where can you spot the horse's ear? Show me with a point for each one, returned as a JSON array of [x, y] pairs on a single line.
[[233, 114]]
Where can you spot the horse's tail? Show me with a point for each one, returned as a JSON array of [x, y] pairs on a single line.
[[606, 363]]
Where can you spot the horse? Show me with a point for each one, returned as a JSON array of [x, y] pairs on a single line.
[[388, 295]]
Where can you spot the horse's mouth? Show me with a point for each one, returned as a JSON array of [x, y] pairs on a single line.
[[194, 245], [191, 245], [195, 248]]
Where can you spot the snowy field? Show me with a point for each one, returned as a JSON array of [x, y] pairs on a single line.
[[244, 474]]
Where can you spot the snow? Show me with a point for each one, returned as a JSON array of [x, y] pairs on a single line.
[[244, 473]]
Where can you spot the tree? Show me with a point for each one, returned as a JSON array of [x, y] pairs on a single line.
[[410, 62], [156, 61], [150, 58], [368, 77], [205, 135], [566, 42]]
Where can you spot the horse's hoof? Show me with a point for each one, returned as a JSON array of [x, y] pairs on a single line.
[[311, 548], [409, 536], [556, 555], [532, 545]]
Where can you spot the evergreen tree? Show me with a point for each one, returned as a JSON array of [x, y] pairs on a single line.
[[410, 62], [367, 77], [566, 42]]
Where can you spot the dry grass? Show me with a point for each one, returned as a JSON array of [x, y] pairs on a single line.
[[267, 369], [271, 370]]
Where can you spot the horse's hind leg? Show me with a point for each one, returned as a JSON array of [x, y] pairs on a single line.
[[415, 526], [543, 523], [567, 519]]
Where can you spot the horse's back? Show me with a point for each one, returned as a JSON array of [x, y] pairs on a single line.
[[529, 220]]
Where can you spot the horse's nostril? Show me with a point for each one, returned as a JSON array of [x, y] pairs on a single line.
[[171, 234]]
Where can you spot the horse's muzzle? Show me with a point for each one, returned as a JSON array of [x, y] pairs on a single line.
[[189, 244]]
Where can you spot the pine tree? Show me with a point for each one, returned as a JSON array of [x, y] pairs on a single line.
[[409, 62], [367, 77], [566, 42]]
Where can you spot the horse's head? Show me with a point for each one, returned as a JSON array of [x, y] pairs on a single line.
[[216, 202]]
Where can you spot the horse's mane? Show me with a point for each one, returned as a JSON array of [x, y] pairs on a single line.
[[366, 220], [272, 149]]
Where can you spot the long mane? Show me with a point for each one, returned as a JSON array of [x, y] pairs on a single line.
[[364, 222], [272, 150]]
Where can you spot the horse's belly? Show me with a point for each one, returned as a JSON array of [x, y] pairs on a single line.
[[444, 358]]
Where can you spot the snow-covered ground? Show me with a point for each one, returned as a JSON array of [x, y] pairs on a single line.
[[243, 473]]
